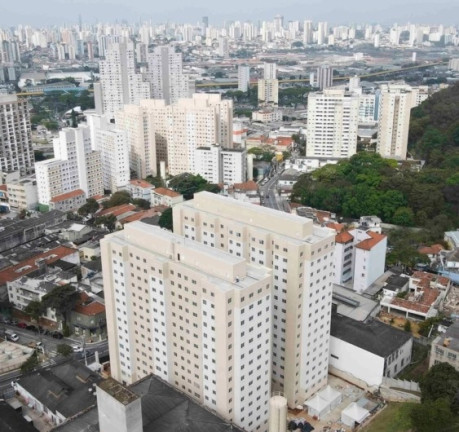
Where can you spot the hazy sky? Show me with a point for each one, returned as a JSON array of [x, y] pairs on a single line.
[[48, 12]]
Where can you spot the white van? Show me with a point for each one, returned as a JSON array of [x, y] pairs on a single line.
[[11, 335]]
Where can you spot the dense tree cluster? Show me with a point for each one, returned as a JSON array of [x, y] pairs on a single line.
[[368, 184], [188, 184]]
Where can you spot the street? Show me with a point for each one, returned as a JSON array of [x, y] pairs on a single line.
[[268, 192]]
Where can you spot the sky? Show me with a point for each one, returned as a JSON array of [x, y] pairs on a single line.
[[57, 12]]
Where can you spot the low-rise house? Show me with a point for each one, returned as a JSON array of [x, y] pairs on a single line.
[[22, 194], [59, 392], [365, 352], [88, 318], [164, 196], [69, 201], [286, 181], [75, 232], [423, 298], [445, 348], [433, 252], [140, 189], [247, 192]]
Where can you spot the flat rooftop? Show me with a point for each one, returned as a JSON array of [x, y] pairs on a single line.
[[118, 391]]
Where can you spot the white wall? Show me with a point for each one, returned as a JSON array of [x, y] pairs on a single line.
[[355, 361]]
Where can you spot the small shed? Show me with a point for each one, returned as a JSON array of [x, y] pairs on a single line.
[[354, 414]]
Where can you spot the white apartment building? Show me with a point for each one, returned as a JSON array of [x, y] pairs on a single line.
[[307, 33], [269, 71], [120, 84], [197, 317], [268, 91], [332, 124], [324, 76], [300, 256], [16, 153], [243, 78], [74, 166], [22, 193], [171, 133], [112, 143], [396, 102], [220, 165], [165, 197], [165, 75], [367, 108]]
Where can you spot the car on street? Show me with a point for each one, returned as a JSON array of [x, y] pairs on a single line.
[[57, 335], [77, 348], [31, 327], [11, 336], [22, 325]]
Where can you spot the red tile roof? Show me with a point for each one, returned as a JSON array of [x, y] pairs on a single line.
[[85, 307], [336, 226], [140, 215], [4, 187], [29, 265], [68, 195], [370, 243], [247, 186], [117, 210], [431, 250], [141, 183], [344, 237], [166, 192], [422, 304]]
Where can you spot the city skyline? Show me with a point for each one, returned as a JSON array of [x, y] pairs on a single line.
[[52, 12]]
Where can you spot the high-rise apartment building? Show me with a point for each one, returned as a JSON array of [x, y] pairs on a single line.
[[333, 116], [112, 143], [197, 317], [268, 91], [220, 165], [270, 71], [16, 153], [74, 166], [396, 101], [243, 78], [300, 256], [120, 84], [166, 75], [171, 133], [324, 77], [307, 33]]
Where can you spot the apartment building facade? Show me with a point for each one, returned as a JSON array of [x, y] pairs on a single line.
[[300, 256], [197, 317]]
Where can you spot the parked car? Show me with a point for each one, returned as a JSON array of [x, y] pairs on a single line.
[[10, 335], [57, 335], [22, 325], [31, 327], [77, 348]]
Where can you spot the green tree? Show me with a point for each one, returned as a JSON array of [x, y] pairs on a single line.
[[35, 309], [64, 350], [157, 181], [188, 184], [118, 198], [441, 381], [30, 364], [433, 415], [90, 207], [108, 221], [166, 219], [63, 299], [403, 216], [142, 203]]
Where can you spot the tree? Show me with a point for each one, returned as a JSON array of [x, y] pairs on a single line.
[[118, 198], [157, 181], [407, 326], [35, 309], [166, 219], [64, 349], [142, 203], [432, 416], [30, 364], [63, 299], [441, 381], [90, 207], [403, 216], [188, 184], [108, 221]]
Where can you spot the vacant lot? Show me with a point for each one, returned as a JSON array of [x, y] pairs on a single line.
[[394, 418]]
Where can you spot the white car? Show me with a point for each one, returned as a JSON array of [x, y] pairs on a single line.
[[77, 348]]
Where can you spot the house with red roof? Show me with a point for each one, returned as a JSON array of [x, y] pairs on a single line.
[[140, 189], [88, 318], [69, 201], [164, 196]]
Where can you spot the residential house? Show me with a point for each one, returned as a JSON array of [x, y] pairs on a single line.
[[164, 196], [140, 189], [445, 348], [69, 201], [88, 318]]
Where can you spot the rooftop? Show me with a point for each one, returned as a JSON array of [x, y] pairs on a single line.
[[141, 183], [166, 192], [372, 336], [450, 338], [118, 391], [68, 195], [370, 243], [344, 237], [88, 306]]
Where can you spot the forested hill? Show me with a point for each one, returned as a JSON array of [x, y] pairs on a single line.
[[367, 184], [434, 129]]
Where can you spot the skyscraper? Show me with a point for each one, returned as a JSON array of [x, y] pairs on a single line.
[[307, 33], [396, 101], [74, 166], [197, 317], [166, 76], [120, 84], [333, 116], [243, 77], [269, 71], [268, 91], [16, 153], [300, 256], [324, 77]]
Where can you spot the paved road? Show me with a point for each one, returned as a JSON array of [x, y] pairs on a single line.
[[270, 197]]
